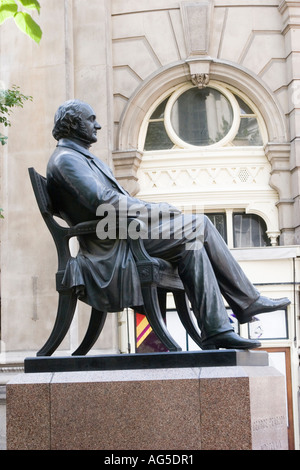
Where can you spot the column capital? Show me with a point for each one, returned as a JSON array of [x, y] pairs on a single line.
[[285, 4], [289, 9], [278, 155], [200, 71], [126, 165]]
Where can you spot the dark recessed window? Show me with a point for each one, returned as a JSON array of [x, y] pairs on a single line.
[[219, 221], [249, 230]]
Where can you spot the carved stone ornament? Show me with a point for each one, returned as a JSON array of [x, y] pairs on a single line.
[[201, 80]]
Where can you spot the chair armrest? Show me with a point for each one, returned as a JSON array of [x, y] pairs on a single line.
[[137, 245], [84, 228]]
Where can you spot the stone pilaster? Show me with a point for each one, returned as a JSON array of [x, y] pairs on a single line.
[[290, 11], [126, 165], [280, 179]]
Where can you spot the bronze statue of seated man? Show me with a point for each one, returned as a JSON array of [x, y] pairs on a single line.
[[104, 272]]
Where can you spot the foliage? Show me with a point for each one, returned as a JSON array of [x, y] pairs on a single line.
[[8, 100], [24, 20], [12, 97]]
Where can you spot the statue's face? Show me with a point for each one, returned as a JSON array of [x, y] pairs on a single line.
[[88, 126]]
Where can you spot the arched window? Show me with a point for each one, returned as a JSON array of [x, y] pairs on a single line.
[[248, 230], [204, 147], [213, 116]]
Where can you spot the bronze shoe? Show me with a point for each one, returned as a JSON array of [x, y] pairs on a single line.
[[263, 305], [229, 340]]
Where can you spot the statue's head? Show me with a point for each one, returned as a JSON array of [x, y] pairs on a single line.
[[76, 119]]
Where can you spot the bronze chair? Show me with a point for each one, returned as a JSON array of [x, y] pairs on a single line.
[[157, 278]]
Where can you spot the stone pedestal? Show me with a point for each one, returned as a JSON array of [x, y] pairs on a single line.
[[237, 407]]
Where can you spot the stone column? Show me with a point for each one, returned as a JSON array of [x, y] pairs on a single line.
[[290, 11], [93, 66], [278, 155], [92, 69], [126, 164]]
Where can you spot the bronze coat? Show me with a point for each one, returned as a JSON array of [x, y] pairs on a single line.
[[104, 271]]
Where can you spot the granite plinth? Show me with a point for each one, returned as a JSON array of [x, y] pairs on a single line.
[[216, 358], [167, 409]]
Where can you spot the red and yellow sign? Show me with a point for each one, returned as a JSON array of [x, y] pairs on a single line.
[[143, 329]]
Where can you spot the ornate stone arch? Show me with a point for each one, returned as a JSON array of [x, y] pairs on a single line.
[[127, 156]]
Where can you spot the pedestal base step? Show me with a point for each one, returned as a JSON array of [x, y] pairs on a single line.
[[215, 358]]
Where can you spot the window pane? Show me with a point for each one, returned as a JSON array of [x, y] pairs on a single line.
[[160, 110], [244, 108], [267, 326], [249, 133], [157, 138], [249, 230], [219, 221], [202, 117]]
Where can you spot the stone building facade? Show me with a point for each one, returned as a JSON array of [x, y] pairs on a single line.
[[150, 69]]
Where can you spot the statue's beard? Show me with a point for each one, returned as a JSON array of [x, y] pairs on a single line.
[[82, 135]]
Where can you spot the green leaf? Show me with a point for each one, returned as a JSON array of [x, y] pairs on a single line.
[[8, 8], [31, 4], [8, 100], [3, 139], [28, 26]]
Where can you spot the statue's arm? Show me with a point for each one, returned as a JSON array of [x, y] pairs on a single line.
[[90, 189]]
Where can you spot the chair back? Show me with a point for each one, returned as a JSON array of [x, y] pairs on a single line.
[[60, 234], [39, 185]]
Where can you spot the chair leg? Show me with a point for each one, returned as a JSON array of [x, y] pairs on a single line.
[[64, 317], [185, 316], [162, 300], [95, 327], [155, 318]]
